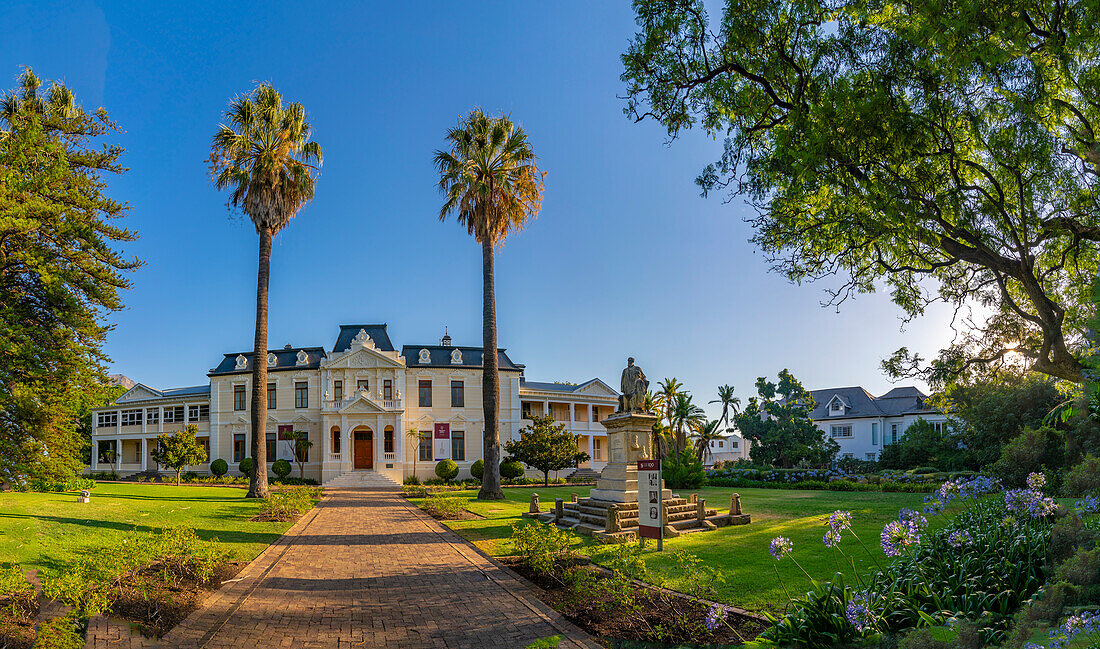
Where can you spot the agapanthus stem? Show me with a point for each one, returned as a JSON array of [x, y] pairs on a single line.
[[866, 549], [783, 586]]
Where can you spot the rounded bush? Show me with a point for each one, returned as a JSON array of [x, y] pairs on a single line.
[[511, 469], [477, 469], [245, 467], [446, 469], [219, 467], [281, 468]]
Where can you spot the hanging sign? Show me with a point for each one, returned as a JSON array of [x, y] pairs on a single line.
[[442, 442], [650, 501]]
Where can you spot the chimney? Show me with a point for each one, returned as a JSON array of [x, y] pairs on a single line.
[[446, 342]]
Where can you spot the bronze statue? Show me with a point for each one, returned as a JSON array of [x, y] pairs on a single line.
[[634, 387]]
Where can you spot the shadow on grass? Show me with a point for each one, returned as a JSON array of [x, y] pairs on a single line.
[[224, 535]]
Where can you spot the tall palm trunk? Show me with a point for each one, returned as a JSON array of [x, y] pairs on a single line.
[[490, 392], [257, 484]]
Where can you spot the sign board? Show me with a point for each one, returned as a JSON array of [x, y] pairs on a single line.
[[284, 429], [442, 442], [650, 502]]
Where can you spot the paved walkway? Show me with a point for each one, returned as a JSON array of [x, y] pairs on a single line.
[[367, 569]]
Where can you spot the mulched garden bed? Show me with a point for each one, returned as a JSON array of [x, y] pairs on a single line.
[[17, 615], [626, 610], [159, 596]]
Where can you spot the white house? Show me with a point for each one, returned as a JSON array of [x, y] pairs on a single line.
[[364, 404], [728, 449], [864, 424]]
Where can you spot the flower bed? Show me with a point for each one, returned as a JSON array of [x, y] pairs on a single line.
[[825, 480], [981, 574]]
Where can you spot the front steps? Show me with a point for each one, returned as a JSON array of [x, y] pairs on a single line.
[[590, 517], [361, 480], [583, 475]]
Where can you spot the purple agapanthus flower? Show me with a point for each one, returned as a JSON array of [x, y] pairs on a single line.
[[1088, 505], [859, 612], [913, 519], [840, 519], [959, 538], [780, 546], [1036, 481], [715, 615], [1075, 626], [831, 538], [896, 537]]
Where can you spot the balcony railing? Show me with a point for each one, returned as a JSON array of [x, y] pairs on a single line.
[[388, 404], [335, 457], [389, 456]]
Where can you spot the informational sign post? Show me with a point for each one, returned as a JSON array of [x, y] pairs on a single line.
[[650, 502], [442, 442]]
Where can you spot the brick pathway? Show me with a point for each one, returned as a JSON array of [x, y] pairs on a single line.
[[366, 569]]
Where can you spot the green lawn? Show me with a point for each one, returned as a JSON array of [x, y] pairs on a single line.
[[50, 530], [740, 552]]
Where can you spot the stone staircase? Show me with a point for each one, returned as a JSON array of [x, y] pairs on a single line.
[[583, 475], [590, 517], [361, 480]]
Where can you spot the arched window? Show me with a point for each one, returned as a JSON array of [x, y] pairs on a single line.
[[387, 440]]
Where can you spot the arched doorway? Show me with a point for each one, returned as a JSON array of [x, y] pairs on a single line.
[[363, 447]]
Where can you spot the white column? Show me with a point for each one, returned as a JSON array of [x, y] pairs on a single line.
[[591, 450], [160, 419], [144, 412], [546, 406], [144, 453], [118, 454], [572, 417], [95, 444]]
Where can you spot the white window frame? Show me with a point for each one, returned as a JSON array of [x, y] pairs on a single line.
[[842, 431]]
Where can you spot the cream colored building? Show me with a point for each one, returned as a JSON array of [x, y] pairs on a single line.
[[365, 405]]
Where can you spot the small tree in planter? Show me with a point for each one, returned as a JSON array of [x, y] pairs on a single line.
[[299, 446], [546, 446], [179, 449]]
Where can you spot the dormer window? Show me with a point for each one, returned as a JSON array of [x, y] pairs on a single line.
[[425, 356], [271, 360], [456, 357], [303, 357], [242, 361], [836, 406]]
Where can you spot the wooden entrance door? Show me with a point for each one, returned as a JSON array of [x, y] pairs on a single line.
[[364, 450]]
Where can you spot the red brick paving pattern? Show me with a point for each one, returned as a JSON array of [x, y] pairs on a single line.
[[366, 569]]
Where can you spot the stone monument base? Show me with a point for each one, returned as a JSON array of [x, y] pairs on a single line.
[[618, 483]]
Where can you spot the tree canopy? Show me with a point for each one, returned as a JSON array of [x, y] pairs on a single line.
[[947, 151], [778, 424], [545, 445], [179, 449], [61, 272]]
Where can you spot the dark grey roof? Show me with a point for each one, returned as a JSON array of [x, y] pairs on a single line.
[[861, 403], [441, 357], [180, 392], [285, 360], [548, 387], [377, 333]]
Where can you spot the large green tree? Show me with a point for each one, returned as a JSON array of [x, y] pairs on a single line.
[[264, 156], [179, 449], [949, 151], [61, 272], [491, 184], [545, 445], [778, 424]]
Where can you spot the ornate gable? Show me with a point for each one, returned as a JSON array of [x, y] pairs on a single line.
[[597, 387], [139, 392]]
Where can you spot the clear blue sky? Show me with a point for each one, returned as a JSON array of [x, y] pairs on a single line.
[[625, 259]]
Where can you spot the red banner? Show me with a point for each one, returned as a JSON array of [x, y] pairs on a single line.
[[442, 431], [284, 429]]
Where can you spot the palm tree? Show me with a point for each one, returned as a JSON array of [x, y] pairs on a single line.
[[264, 156], [668, 389], [730, 404], [685, 413], [492, 186], [705, 433], [413, 435]]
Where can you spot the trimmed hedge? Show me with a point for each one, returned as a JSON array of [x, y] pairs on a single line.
[[219, 467], [477, 469], [281, 468], [245, 466], [446, 469]]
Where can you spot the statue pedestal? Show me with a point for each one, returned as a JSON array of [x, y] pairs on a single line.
[[628, 440]]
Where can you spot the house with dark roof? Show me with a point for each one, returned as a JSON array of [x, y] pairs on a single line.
[[863, 424], [365, 404]]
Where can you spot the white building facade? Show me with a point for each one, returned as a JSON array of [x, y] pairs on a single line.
[[863, 424], [364, 404]]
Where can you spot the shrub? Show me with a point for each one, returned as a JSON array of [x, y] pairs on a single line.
[[840, 485], [288, 503], [444, 506], [1034, 450], [60, 633], [281, 468], [541, 545], [852, 465], [219, 467], [411, 479], [684, 471], [245, 466], [414, 491], [923, 470], [190, 476], [511, 469], [477, 469], [70, 484], [446, 469], [1083, 478]]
